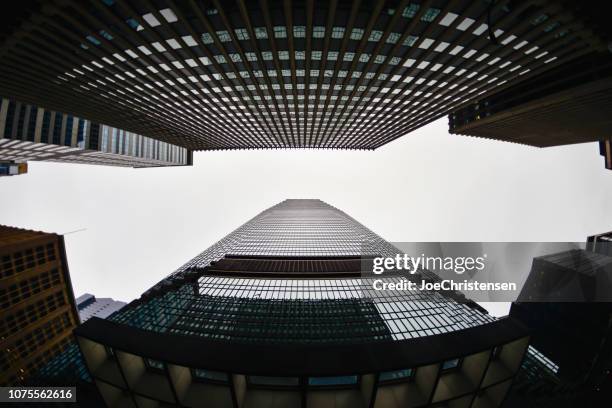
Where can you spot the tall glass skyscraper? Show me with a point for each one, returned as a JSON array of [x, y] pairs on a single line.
[[277, 314]]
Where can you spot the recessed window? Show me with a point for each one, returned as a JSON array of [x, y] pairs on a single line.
[[259, 380], [375, 35], [393, 38], [261, 33], [451, 364], [411, 10], [241, 33], [224, 36], [155, 365], [318, 32], [410, 40], [346, 380], [280, 32], [430, 14], [397, 375], [207, 38], [337, 32], [539, 19], [209, 375], [357, 34], [299, 31]]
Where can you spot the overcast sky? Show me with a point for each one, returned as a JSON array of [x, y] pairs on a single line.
[[141, 224]]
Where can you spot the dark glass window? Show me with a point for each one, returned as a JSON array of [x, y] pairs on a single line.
[[333, 381], [155, 365], [451, 364], [209, 375], [397, 375], [273, 381]]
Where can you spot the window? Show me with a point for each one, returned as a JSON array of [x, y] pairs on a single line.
[[357, 34], [154, 365], [347, 380], [410, 40], [397, 375], [299, 31], [207, 38], [318, 32], [280, 32], [393, 38], [449, 365], [241, 33], [209, 375], [430, 15], [539, 19], [410, 11], [375, 35], [224, 36], [273, 381], [337, 32], [380, 59], [261, 33]]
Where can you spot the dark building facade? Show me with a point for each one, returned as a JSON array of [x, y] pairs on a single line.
[[269, 74], [277, 314], [605, 149], [570, 358], [566, 105], [38, 309]]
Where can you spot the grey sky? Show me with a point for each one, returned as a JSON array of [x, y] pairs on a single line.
[[141, 224]]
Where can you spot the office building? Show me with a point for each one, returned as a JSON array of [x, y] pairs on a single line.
[[566, 304], [605, 149], [566, 105], [90, 306], [28, 132], [11, 168], [600, 243], [269, 74], [38, 309], [277, 314]]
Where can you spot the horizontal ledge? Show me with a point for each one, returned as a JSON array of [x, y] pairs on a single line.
[[300, 359]]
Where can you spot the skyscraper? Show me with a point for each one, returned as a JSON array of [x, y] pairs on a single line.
[[28, 132], [90, 306], [11, 168], [38, 309], [276, 314], [565, 105], [566, 304], [605, 149], [325, 74]]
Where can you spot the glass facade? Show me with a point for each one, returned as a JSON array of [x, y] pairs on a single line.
[[277, 309], [298, 310], [28, 132]]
